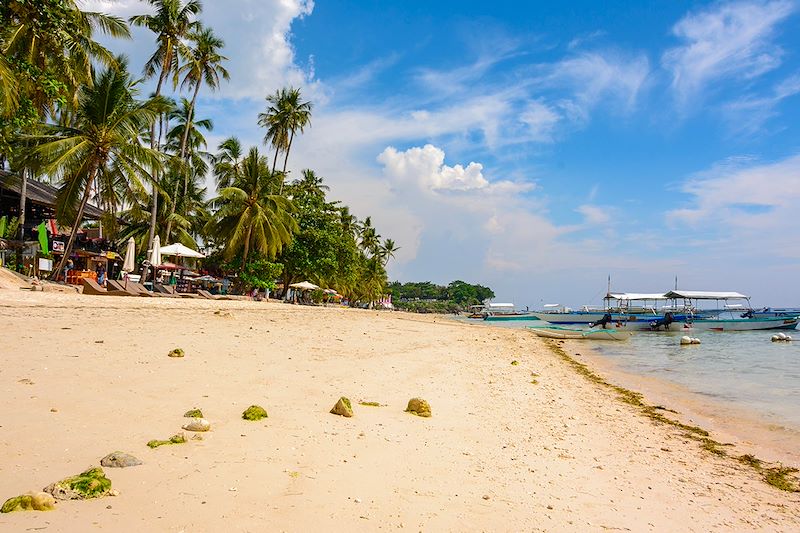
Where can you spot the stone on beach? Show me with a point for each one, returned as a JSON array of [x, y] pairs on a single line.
[[91, 483], [177, 352], [193, 413], [33, 501], [343, 408], [119, 460], [178, 438], [197, 424], [419, 407], [255, 412]]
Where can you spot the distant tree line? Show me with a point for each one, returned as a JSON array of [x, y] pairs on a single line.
[[427, 297]]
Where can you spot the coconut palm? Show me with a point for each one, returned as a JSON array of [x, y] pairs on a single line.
[[369, 239], [227, 162], [387, 250], [251, 215], [105, 138], [185, 138], [285, 115], [172, 22]]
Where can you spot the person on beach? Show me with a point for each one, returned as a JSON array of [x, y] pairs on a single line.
[[69, 266], [101, 273]]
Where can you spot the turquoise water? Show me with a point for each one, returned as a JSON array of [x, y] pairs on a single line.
[[741, 369]]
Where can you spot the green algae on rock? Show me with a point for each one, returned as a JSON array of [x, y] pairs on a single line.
[[193, 413], [177, 352], [343, 408], [33, 501], [371, 404], [419, 407], [514, 362], [175, 439], [255, 412], [91, 483]]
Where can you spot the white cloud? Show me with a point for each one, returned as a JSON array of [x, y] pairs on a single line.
[[748, 114], [257, 36], [594, 214], [425, 166], [746, 205], [729, 40]]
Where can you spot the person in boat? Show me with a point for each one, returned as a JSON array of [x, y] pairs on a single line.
[[665, 322], [603, 322]]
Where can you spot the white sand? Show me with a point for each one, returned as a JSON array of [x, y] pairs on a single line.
[[499, 453]]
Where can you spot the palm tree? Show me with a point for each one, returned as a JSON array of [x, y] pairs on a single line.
[[105, 138], [171, 22], [387, 250], [370, 240], [251, 215], [185, 138], [311, 185], [227, 162], [285, 115]]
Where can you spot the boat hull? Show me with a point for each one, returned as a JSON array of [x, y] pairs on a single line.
[[576, 334], [505, 318], [744, 324]]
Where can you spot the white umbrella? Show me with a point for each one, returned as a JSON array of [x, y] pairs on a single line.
[[179, 250], [129, 265], [304, 285], [155, 254]]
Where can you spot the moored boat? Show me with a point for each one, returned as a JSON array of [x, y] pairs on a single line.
[[556, 332]]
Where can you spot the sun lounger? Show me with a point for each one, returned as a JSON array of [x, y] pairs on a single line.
[[209, 296], [166, 290], [90, 286], [143, 290], [119, 286]]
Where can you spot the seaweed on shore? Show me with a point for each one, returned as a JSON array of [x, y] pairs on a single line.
[[780, 476]]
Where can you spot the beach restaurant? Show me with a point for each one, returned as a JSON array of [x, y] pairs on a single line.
[[91, 250]]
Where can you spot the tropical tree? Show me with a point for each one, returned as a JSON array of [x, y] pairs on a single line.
[[252, 215], [186, 137], [172, 22], [285, 115], [369, 239], [387, 250], [227, 162], [104, 139]]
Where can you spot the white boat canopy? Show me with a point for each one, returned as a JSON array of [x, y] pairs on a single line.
[[705, 295], [499, 306], [637, 296]]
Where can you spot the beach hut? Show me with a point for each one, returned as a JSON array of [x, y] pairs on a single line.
[[300, 288]]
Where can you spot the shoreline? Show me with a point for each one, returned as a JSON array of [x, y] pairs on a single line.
[[746, 429], [527, 446]]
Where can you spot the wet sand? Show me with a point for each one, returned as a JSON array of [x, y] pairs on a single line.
[[84, 376]]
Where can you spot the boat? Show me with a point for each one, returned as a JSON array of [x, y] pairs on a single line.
[[496, 312], [732, 317], [557, 332], [627, 309]]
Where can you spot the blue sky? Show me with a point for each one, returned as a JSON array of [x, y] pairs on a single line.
[[539, 148]]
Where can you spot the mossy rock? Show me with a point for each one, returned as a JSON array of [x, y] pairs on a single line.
[[514, 362], [33, 501], [255, 412], [178, 438], [177, 352], [343, 408], [371, 404], [91, 483], [419, 407], [193, 413]]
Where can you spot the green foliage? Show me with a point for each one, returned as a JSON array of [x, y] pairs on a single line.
[[427, 297], [260, 274]]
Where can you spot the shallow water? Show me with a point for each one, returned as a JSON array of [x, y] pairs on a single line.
[[741, 369]]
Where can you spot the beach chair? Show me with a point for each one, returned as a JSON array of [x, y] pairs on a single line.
[[143, 290], [209, 296], [90, 286], [118, 286]]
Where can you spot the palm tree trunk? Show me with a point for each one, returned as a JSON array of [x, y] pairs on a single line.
[[182, 151], [154, 144], [275, 160], [71, 242], [23, 194], [246, 247], [286, 159]]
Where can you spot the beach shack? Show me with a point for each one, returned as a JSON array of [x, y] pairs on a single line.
[[92, 252]]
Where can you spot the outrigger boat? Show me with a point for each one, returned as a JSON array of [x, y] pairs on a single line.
[[556, 332], [503, 312], [726, 319]]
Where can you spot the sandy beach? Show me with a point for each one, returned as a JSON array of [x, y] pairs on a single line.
[[84, 376]]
